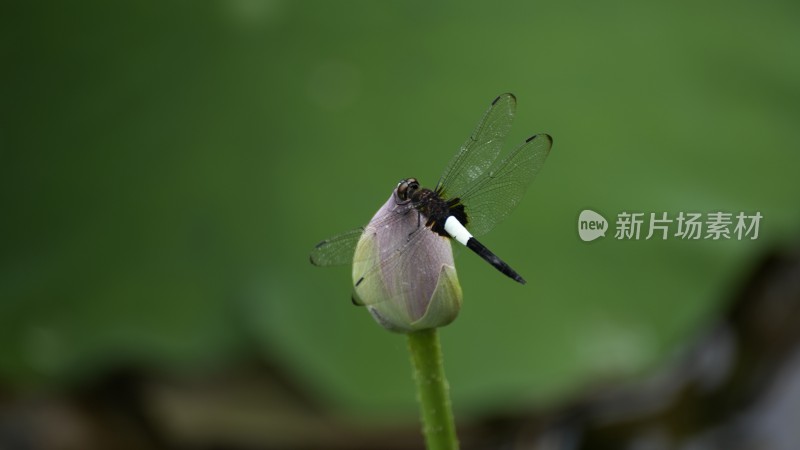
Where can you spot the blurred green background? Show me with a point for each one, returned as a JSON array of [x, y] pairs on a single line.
[[165, 168]]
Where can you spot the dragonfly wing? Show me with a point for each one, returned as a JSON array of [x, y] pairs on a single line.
[[340, 249], [480, 150], [380, 263], [336, 251], [392, 250], [398, 284], [492, 198]]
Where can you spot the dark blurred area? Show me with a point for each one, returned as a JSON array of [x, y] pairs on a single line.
[[165, 168], [734, 386]]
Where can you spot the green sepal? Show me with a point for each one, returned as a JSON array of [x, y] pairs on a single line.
[[445, 302]]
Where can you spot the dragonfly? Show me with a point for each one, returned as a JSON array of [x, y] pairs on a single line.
[[473, 195]]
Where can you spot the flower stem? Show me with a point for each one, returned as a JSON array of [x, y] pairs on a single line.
[[432, 390]]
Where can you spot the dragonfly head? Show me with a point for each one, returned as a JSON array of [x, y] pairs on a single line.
[[406, 188]]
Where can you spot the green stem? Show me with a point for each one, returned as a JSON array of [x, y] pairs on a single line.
[[432, 390]]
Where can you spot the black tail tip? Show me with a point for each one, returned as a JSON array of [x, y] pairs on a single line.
[[520, 280]]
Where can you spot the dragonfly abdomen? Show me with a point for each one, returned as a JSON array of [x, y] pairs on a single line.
[[455, 229]]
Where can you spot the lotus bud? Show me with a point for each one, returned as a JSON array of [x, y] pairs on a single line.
[[403, 272]]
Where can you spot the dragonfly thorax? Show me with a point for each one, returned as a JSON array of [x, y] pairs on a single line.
[[428, 203]]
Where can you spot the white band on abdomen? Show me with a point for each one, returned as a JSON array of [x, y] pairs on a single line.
[[455, 229]]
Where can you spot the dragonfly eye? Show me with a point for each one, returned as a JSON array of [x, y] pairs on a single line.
[[406, 188]]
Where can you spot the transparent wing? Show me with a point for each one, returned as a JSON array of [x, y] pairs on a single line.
[[336, 251], [492, 198], [339, 250], [402, 258], [480, 150], [403, 254]]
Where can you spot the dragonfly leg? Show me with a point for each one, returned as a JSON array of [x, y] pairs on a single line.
[[416, 230]]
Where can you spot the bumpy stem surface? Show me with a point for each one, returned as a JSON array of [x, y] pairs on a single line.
[[432, 390]]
